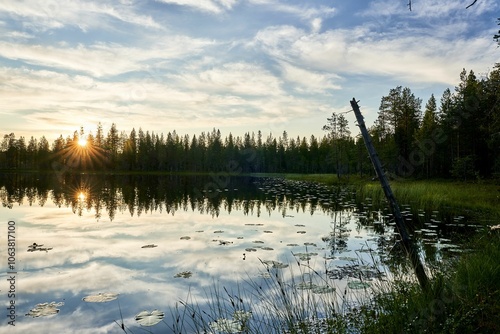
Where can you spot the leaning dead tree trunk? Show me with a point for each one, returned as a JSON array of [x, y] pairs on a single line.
[[408, 245]]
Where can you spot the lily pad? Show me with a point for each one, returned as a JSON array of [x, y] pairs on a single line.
[[275, 264], [357, 285], [44, 309], [36, 247], [183, 274], [319, 289], [304, 256], [146, 318], [100, 297], [149, 246], [185, 238]]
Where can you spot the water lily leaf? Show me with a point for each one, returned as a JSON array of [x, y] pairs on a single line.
[[101, 297], [44, 309], [149, 246], [185, 238], [146, 318], [356, 285], [319, 289], [275, 264], [184, 274], [306, 286]]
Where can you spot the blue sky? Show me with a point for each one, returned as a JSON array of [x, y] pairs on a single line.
[[239, 66]]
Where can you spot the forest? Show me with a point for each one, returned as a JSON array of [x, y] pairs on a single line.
[[455, 137]]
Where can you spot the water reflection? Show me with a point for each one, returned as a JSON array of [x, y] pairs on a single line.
[[146, 193], [154, 239]]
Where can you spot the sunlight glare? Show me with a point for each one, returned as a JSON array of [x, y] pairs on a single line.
[[82, 142], [81, 196]]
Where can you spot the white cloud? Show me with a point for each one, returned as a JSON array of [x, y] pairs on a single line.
[[102, 59], [414, 58], [233, 78], [211, 6], [51, 14], [310, 81]]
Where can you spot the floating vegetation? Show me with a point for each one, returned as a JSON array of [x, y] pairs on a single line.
[[275, 264], [44, 309], [232, 326], [310, 244], [319, 289], [265, 275], [250, 249], [301, 232], [36, 247], [347, 258], [149, 246], [239, 238], [300, 225], [224, 242], [355, 271], [146, 318], [305, 286], [199, 231], [268, 231], [292, 245], [185, 238], [101, 297], [357, 285], [304, 256], [219, 231], [258, 242], [183, 274], [267, 248]]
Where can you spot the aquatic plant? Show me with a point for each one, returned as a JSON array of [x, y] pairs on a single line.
[[147, 318], [44, 309], [101, 297]]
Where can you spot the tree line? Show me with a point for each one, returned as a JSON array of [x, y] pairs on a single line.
[[457, 137]]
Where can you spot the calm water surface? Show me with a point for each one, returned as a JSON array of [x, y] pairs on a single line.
[[155, 240]]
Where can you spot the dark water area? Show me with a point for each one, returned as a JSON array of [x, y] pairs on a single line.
[[149, 241]]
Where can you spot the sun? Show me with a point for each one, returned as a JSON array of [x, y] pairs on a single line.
[[82, 142]]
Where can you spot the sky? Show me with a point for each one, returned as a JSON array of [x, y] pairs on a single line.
[[237, 66]]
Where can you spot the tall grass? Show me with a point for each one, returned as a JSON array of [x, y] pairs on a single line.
[[283, 303], [480, 198], [463, 297]]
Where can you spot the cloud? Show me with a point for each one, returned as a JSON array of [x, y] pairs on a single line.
[[211, 6], [360, 51], [47, 15], [103, 59]]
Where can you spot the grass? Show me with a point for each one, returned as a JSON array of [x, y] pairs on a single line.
[[482, 197], [462, 298], [479, 198]]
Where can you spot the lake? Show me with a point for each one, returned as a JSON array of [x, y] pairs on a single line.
[[147, 242]]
